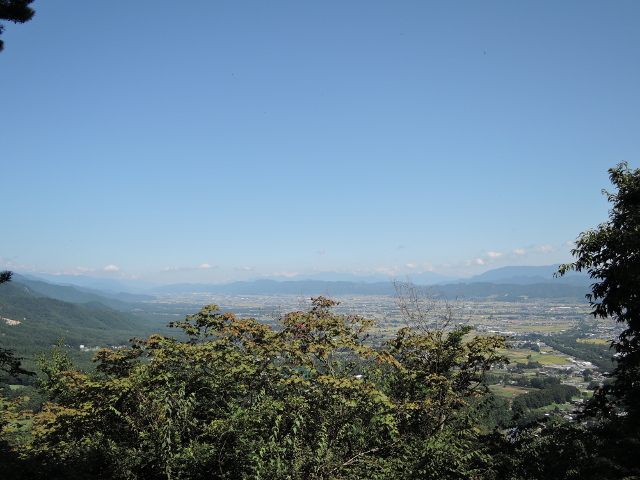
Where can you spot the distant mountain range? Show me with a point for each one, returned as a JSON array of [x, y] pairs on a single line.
[[507, 283], [104, 285], [46, 311], [474, 290], [528, 276], [78, 294], [319, 283], [424, 278]]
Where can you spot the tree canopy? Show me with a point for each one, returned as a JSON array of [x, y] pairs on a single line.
[[8, 363], [16, 11], [611, 256], [312, 398]]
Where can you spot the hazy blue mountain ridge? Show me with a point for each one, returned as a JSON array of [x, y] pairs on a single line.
[[476, 290], [76, 294], [104, 285], [529, 275], [322, 284], [424, 278]]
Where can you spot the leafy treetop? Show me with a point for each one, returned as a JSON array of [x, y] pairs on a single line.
[[611, 256], [311, 398], [8, 363], [16, 11]]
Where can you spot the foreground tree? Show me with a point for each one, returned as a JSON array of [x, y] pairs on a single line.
[[309, 399], [16, 11], [607, 448], [8, 363], [611, 256], [10, 415]]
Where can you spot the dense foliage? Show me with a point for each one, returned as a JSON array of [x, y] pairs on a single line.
[[546, 396], [9, 364], [239, 399], [569, 343], [611, 256]]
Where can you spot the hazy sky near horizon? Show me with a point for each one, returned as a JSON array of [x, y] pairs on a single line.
[[207, 141]]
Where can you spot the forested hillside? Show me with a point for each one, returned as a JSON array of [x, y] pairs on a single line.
[[75, 294], [32, 319]]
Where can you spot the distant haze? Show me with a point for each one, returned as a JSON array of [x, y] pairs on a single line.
[[337, 282]]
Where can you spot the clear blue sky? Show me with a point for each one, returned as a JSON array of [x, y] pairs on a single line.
[[205, 141]]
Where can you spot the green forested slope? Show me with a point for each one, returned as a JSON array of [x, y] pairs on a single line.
[[74, 294], [43, 320]]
